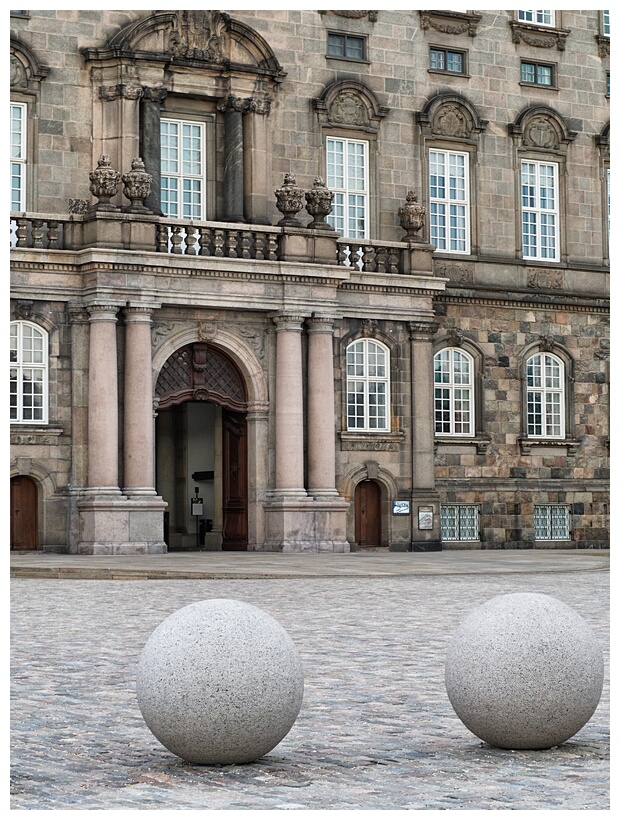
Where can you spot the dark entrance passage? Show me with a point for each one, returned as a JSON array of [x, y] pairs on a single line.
[[24, 527], [368, 514], [202, 445]]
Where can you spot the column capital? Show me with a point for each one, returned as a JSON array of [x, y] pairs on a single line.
[[289, 322], [422, 330], [320, 323], [103, 313], [78, 315], [138, 313]]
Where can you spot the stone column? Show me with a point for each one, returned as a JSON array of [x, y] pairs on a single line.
[[103, 401], [289, 409], [258, 196], [321, 435], [233, 109], [139, 478], [422, 435], [150, 141]]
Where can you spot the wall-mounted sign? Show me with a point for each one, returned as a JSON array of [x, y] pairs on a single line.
[[400, 508], [425, 518]]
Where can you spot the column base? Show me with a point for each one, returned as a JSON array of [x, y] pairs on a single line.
[[118, 525], [310, 525]]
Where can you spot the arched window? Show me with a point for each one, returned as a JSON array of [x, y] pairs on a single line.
[[545, 396], [454, 393], [368, 386], [28, 390]]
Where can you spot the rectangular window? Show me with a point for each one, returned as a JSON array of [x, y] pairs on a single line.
[[349, 46], [182, 169], [460, 522], [443, 59], [347, 178], [539, 208], [449, 201], [552, 522], [606, 24], [537, 73], [539, 18], [18, 156]]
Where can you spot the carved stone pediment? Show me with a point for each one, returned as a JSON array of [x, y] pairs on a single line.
[[452, 116], [349, 104], [539, 36], [26, 72], [540, 133], [450, 22], [354, 15]]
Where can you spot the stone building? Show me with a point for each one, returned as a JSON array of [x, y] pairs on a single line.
[[309, 280]]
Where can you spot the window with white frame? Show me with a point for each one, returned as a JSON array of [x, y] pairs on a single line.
[[551, 522], [347, 178], [539, 210], [545, 396], [449, 201], [18, 156], [539, 18], [183, 169], [606, 23], [460, 522], [28, 376], [454, 393], [368, 386]]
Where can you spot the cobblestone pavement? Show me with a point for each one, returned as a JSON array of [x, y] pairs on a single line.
[[376, 729]]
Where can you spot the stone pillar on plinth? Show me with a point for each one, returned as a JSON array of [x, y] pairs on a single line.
[[112, 523], [424, 498], [330, 508], [103, 402]]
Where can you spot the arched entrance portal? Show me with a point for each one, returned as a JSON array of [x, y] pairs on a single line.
[[368, 514], [201, 440], [24, 504]]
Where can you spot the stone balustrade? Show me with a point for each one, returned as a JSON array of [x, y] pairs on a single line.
[[225, 240]]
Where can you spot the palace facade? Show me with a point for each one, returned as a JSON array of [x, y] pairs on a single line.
[[309, 280]]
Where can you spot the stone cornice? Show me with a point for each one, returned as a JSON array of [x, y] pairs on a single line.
[[504, 300]]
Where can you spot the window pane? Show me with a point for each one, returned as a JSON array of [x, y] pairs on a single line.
[[335, 45], [528, 72], [455, 62], [543, 75], [438, 61]]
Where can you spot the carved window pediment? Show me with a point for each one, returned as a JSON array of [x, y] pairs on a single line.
[[539, 36], [349, 104], [541, 129], [451, 22], [26, 72], [450, 116]]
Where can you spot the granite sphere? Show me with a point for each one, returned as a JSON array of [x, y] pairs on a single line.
[[524, 671], [219, 682]]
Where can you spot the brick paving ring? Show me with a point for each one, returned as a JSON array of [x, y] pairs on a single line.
[[220, 682]]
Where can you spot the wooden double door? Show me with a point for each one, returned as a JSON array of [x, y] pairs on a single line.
[[368, 514], [24, 503]]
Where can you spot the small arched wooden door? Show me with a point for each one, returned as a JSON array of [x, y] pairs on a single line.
[[368, 514], [23, 513]]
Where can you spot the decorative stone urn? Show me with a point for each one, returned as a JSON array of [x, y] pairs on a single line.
[[319, 204], [104, 181], [137, 185], [289, 201], [412, 216]]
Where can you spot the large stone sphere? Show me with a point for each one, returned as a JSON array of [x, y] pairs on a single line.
[[220, 681], [524, 671]]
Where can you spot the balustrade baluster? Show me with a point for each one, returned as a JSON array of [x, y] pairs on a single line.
[[272, 247], [190, 242], [246, 244], [162, 238], [231, 244], [52, 235], [393, 260], [22, 233], [218, 242], [204, 241], [177, 239], [37, 233], [370, 258]]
